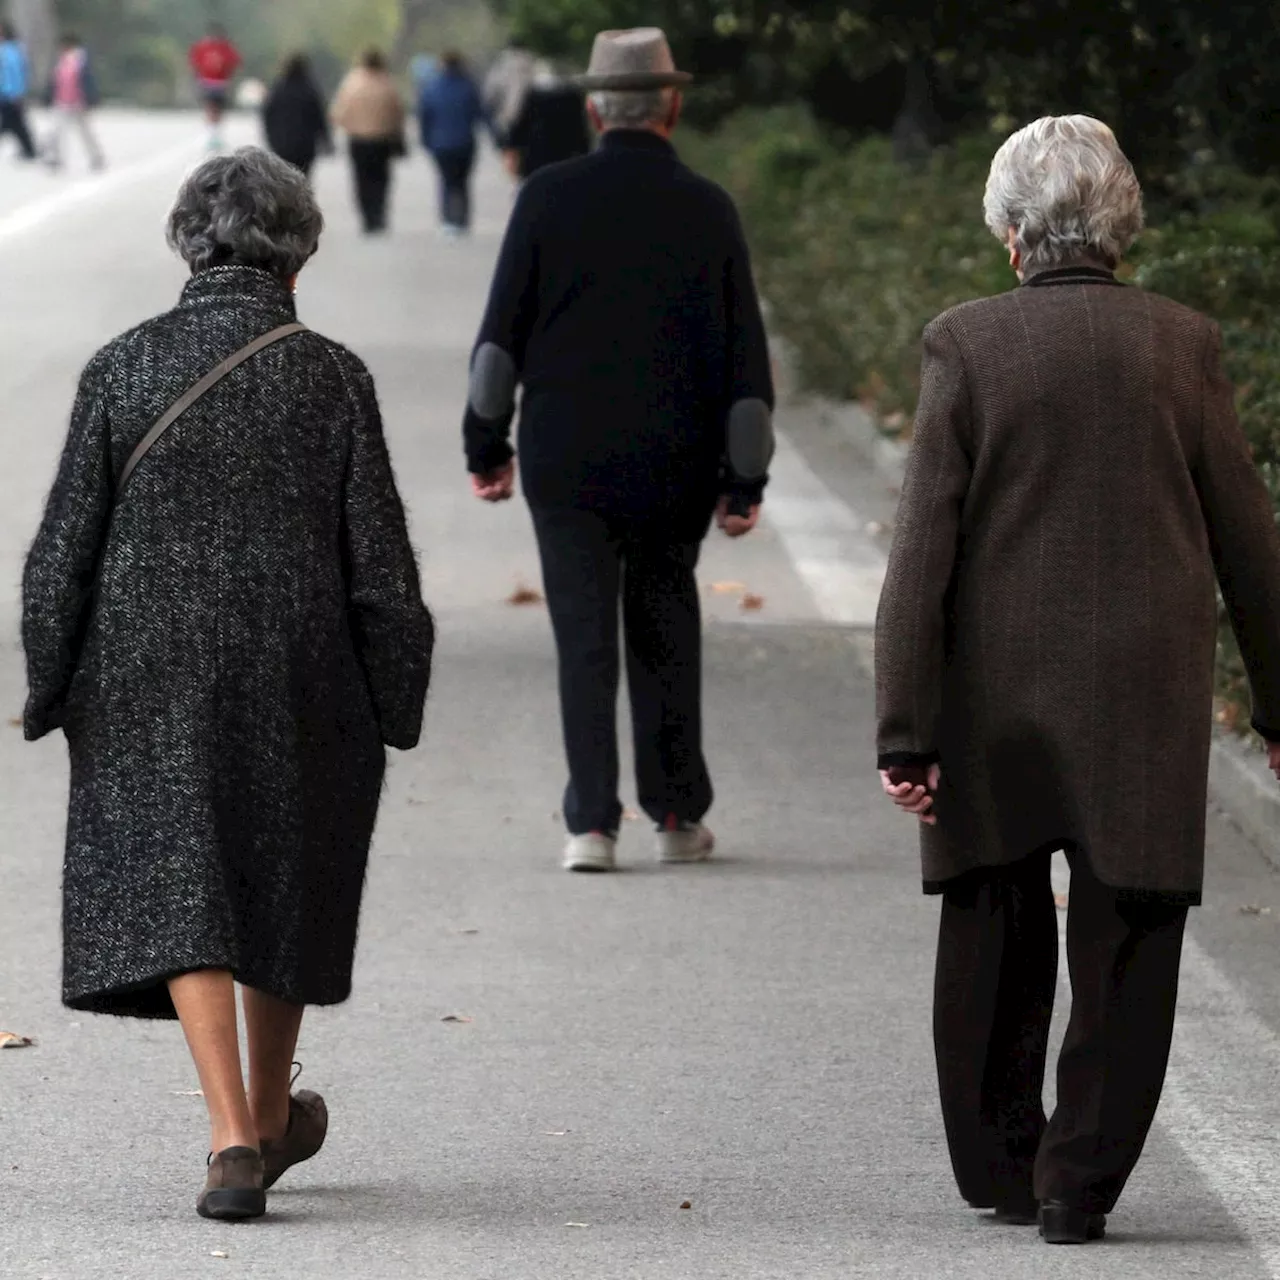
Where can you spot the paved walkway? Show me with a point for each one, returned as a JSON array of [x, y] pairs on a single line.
[[750, 1037]]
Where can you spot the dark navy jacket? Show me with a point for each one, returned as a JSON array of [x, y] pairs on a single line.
[[624, 298], [450, 112]]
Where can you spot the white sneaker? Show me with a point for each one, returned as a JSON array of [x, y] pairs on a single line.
[[591, 852], [688, 842]]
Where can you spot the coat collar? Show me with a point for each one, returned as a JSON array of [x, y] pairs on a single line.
[[636, 140], [1081, 273], [240, 285]]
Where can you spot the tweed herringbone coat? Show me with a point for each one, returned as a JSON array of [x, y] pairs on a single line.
[[1047, 629], [227, 648]]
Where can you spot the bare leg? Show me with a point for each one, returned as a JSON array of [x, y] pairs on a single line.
[[272, 1027], [206, 1005]]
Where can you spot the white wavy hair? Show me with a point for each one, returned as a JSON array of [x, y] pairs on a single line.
[[632, 108], [1067, 190]]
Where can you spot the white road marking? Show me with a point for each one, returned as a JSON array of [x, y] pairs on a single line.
[[825, 540], [77, 192]]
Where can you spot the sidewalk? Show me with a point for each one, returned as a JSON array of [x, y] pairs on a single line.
[[750, 1037]]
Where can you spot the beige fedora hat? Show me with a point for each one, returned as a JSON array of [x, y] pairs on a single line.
[[636, 59]]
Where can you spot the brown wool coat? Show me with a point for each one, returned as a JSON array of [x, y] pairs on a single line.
[[1047, 627]]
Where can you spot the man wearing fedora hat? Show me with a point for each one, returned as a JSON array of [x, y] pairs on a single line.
[[623, 304]]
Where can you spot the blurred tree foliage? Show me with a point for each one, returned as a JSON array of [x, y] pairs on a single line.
[[141, 45], [1174, 77]]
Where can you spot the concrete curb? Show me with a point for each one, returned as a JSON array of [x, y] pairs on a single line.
[[886, 455], [1242, 786]]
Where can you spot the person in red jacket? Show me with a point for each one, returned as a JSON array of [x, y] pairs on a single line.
[[215, 61]]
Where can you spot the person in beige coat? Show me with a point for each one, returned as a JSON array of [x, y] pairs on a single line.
[[1045, 653], [369, 110]]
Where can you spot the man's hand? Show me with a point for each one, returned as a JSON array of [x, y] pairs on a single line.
[[495, 486], [912, 797], [735, 525], [1273, 757]]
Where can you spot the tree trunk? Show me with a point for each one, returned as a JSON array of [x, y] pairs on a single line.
[[37, 28], [917, 127]]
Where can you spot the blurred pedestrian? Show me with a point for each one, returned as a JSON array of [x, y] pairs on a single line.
[[449, 113], [506, 82], [550, 126], [623, 301], [73, 94], [215, 61], [15, 84], [369, 110], [294, 117], [1045, 655], [229, 631]]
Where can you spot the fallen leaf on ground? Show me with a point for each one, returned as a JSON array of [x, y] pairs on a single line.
[[555, 1133], [218, 1253], [688, 1204], [1252, 909], [12, 1040], [630, 815], [187, 1093], [752, 603], [524, 595], [16, 721], [465, 931], [577, 1224], [455, 1017], [1060, 901], [726, 588]]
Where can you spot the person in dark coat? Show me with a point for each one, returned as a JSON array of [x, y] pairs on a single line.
[[294, 116], [1045, 656], [229, 644], [623, 302], [551, 126], [450, 111]]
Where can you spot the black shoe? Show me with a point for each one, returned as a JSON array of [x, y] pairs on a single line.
[[1061, 1223], [1016, 1211]]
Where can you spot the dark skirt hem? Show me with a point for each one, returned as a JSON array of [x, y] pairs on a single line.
[[149, 997]]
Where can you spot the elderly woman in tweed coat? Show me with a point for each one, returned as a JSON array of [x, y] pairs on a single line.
[[1045, 652], [228, 644]]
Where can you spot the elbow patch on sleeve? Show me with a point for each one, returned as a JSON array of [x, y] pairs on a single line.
[[750, 438], [493, 382]]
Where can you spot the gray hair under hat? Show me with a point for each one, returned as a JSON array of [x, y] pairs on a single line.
[[638, 59]]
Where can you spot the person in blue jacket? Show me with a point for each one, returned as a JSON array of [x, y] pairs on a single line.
[[14, 85], [450, 112]]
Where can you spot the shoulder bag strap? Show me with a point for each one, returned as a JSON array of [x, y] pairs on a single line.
[[207, 383]]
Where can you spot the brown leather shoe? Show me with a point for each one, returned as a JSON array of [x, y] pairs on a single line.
[[308, 1124], [233, 1188]]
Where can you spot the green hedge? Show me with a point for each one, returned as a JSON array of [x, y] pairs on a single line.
[[855, 253]]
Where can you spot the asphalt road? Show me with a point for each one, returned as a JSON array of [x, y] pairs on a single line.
[[750, 1037]]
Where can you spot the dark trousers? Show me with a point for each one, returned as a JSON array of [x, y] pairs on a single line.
[[993, 998], [371, 162], [13, 119], [589, 563], [455, 185]]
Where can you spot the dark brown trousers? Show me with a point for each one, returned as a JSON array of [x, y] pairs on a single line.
[[993, 999]]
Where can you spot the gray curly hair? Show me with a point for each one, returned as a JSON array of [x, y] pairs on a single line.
[[1067, 190], [250, 209]]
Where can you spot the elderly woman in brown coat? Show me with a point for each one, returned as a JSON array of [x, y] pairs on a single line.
[[1045, 652]]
